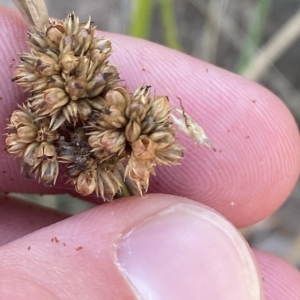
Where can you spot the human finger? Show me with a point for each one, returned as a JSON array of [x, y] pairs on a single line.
[[258, 147], [159, 247], [280, 279], [18, 218]]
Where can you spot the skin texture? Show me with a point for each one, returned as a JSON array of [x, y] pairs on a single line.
[[254, 169]]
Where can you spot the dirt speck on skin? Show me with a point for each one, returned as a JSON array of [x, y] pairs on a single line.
[[1, 98], [253, 101], [56, 239], [206, 70], [220, 150], [28, 248], [64, 244], [13, 59], [247, 137], [79, 248], [228, 130]]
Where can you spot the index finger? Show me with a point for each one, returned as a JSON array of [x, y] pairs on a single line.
[[258, 148]]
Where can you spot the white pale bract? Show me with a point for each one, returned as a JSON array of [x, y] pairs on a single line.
[[191, 128]]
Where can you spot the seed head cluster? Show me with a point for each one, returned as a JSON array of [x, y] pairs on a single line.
[[78, 119]]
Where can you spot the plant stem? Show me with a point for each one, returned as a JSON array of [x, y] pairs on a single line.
[[34, 12]]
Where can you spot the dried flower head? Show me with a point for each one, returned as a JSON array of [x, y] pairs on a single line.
[[77, 116], [66, 70], [33, 140], [137, 128]]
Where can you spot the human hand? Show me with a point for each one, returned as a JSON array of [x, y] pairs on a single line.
[[186, 251]]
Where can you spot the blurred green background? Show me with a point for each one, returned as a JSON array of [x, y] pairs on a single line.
[[259, 39]]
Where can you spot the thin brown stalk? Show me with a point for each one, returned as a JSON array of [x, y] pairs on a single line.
[[35, 13], [280, 42], [211, 30]]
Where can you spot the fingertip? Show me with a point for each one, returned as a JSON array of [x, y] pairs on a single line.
[[280, 279]]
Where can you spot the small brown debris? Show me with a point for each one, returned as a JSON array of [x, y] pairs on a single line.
[[79, 248], [254, 101], [247, 137], [11, 65], [52, 240], [1, 98], [28, 248], [56, 240], [64, 244]]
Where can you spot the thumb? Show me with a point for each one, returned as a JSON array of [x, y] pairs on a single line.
[[158, 247]]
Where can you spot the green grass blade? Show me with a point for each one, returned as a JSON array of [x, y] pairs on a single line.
[[140, 21], [168, 20], [256, 28]]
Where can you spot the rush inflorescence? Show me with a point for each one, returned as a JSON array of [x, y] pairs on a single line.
[[80, 122]]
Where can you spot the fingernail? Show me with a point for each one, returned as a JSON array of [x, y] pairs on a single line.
[[188, 252]]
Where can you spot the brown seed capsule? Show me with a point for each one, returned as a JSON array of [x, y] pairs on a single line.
[[69, 62], [30, 157], [25, 79], [160, 108], [43, 65], [76, 88], [13, 144], [139, 170], [84, 110], [144, 148], [45, 151], [172, 156], [163, 139], [86, 183], [110, 141], [54, 34], [47, 66], [133, 131], [44, 134], [118, 97], [20, 117], [108, 183], [49, 171], [26, 133], [54, 99]]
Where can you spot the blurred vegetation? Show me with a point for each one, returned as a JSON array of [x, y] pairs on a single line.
[[141, 19], [254, 35]]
